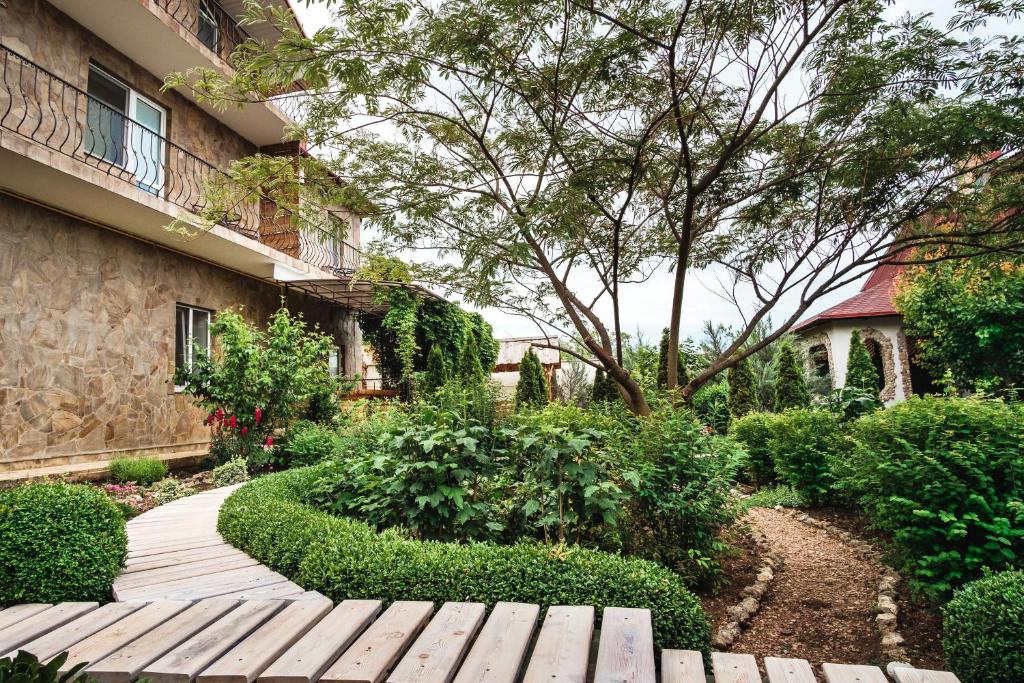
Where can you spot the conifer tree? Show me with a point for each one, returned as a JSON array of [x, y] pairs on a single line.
[[683, 377], [470, 370], [604, 390], [436, 375], [532, 388], [741, 390], [790, 384], [860, 371]]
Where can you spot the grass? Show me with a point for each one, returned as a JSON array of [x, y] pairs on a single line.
[[770, 496], [144, 471]]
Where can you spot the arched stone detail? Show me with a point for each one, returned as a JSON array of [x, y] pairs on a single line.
[[904, 357], [888, 391], [807, 342]]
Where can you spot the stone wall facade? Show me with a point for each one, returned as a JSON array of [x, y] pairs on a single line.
[[87, 326]]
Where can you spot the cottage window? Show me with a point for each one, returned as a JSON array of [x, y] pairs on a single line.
[[335, 358], [209, 33], [191, 332], [819, 360]]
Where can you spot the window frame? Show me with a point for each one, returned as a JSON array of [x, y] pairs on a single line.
[[188, 347], [340, 367], [207, 15]]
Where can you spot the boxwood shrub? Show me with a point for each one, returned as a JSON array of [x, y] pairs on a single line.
[[344, 558], [981, 630], [60, 542]]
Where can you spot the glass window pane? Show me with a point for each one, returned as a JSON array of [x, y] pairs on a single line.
[[105, 120], [334, 361], [108, 91], [201, 329], [180, 336]]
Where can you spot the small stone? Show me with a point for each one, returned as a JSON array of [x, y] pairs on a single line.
[[887, 604], [891, 640], [755, 590], [765, 575], [886, 622], [727, 635]]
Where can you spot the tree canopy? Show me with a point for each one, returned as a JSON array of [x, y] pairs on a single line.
[[560, 153]]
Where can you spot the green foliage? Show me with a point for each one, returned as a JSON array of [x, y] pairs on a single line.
[[679, 481], [61, 542], [259, 381], [307, 443], [682, 377], [711, 405], [754, 431], [945, 477], [805, 443], [860, 371], [142, 471], [470, 370], [779, 494], [969, 319], [234, 471], [436, 374], [171, 489], [740, 382], [25, 667], [982, 637], [848, 403], [604, 390], [532, 387], [346, 559], [790, 385]]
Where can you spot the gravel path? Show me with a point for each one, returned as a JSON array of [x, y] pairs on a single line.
[[821, 605]]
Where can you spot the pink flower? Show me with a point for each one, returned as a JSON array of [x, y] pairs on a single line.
[[220, 412], [270, 441], [258, 414], [233, 421], [245, 430]]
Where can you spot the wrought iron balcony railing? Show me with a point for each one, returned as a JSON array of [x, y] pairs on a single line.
[[213, 25], [52, 112]]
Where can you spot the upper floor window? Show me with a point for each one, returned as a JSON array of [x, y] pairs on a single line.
[[209, 33], [126, 129], [191, 332], [335, 357]]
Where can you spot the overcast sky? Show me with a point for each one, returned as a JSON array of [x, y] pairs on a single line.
[[646, 307]]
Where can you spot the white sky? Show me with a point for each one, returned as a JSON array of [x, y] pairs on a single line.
[[646, 307]]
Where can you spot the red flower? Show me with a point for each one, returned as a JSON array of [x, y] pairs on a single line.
[[220, 412], [245, 430], [233, 421], [258, 414], [270, 441]]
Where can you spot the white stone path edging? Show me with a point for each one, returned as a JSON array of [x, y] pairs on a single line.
[[175, 553], [742, 612]]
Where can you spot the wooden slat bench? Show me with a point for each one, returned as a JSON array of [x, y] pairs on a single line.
[[223, 640]]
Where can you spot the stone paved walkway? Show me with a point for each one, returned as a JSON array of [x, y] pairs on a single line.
[[175, 553]]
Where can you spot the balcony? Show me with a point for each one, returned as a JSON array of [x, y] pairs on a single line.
[[165, 36], [94, 161]]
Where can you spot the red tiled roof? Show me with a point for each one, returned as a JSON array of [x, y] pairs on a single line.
[[872, 301]]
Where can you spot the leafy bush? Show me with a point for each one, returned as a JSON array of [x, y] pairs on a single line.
[[944, 476], [61, 542], [171, 489], [234, 471], [982, 636], [345, 559], [26, 668], [143, 471], [804, 445], [680, 493], [307, 443], [754, 431], [711, 405], [771, 496]]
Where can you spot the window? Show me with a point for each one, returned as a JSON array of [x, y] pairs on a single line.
[[335, 359], [819, 360], [191, 331], [209, 33], [125, 129]]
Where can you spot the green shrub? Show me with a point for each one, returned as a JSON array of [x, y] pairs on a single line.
[[804, 445], [860, 371], [771, 496], [307, 443], [345, 559], [142, 471], [61, 542], [740, 383], [171, 489], [945, 477], [532, 387], [234, 471], [982, 636], [26, 668], [711, 405], [754, 431], [790, 390]]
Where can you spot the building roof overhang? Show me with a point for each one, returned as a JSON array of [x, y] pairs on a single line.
[[358, 295]]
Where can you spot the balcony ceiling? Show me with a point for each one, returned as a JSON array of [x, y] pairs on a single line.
[[154, 40], [265, 30]]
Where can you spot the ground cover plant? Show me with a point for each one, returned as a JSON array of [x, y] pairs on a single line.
[[142, 471]]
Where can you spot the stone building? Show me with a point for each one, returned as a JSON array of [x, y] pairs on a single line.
[[98, 299], [825, 339]]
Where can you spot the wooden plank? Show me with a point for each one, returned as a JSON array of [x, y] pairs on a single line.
[[437, 653], [852, 673], [183, 663], [117, 635], [17, 613], [182, 570], [282, 590], [247, 660], [41, 623], [182, 556], [126, 664], [682, 666], [214, 585], [626, 650], [562, 651], [58, 640], [734, 668], [906, 674], [306, 660], [498, 653], [160, 550], [371, 657], [783, 670]]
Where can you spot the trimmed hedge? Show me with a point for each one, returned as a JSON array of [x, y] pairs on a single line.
[[343, 558], [982, 635], [143, 471], [61, 542]]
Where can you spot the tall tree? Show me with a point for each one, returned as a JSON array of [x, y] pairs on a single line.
[[548, 146], [860, 371], [681, 374], [742, 399], [532, 387], [790, 383]]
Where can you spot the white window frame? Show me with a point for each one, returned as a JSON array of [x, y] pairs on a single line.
[[336, 351], [188, 346], [206, 14]]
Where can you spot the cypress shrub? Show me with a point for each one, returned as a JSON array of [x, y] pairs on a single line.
[[532, 388], [681, 376], [605, 389], [436, 375], [860, 371], [982, 636], [741, 390], [790, 385], [470, 370]]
